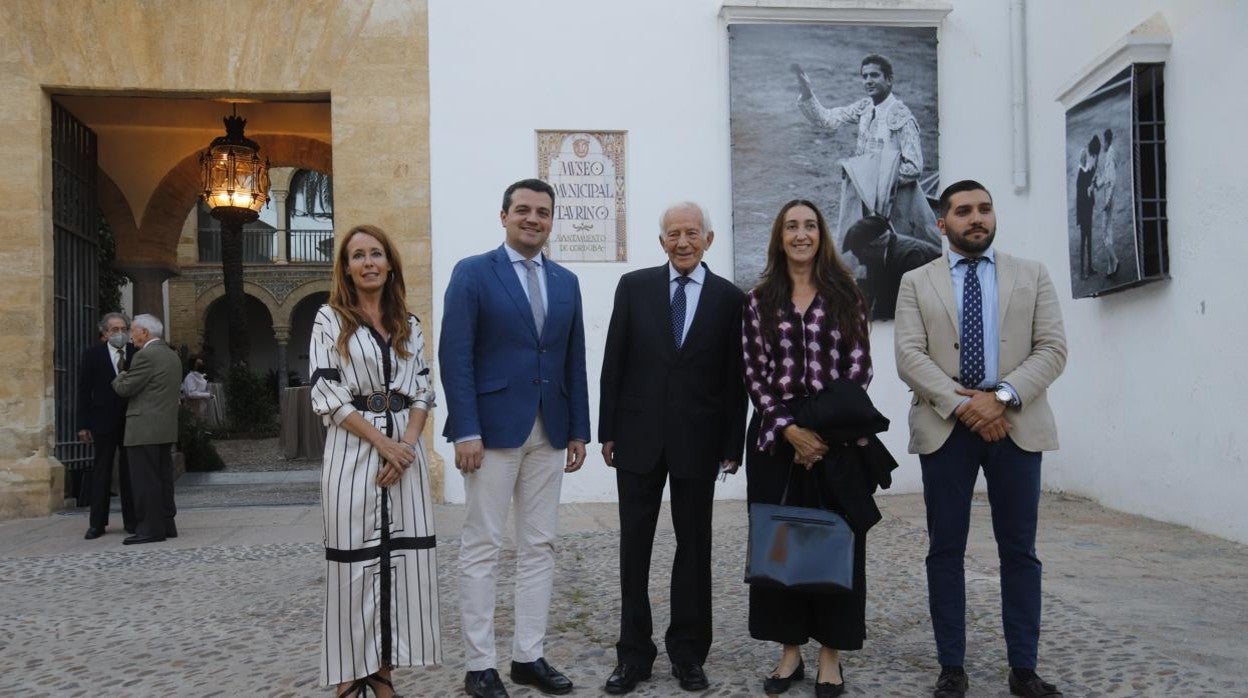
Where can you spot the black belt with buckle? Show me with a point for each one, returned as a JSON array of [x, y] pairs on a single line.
[[381, 403]]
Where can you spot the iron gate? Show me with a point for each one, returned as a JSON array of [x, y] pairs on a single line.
[[76, 223]]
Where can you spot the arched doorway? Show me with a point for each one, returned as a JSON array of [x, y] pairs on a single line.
[[263, 357], [302, 317]]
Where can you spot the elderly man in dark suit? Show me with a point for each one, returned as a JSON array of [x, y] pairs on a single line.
[[102, 420], [152, 383], [673, 410]]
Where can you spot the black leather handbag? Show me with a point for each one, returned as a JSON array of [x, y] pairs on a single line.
[[799, 548]]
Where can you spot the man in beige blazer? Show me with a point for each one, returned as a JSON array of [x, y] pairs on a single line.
[[979, 339], [152, 383]]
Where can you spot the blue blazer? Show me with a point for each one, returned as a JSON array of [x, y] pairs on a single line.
[[496, 371]]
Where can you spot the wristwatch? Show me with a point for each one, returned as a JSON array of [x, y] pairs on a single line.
[[1004, 396]]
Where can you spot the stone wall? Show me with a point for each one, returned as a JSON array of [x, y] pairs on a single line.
[[370, 57]]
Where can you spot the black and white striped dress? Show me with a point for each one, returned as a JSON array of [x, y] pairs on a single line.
[[381, 595]]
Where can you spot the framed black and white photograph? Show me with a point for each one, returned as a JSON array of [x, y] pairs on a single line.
[[844, 116], [1115, 174]]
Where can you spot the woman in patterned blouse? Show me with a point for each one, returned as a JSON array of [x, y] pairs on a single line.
[[804, 327]]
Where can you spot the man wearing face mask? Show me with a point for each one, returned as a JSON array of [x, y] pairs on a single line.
[[152, 383], [102, 420]]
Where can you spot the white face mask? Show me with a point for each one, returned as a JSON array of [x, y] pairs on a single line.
[[119, 339]]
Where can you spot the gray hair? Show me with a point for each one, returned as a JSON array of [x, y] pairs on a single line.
[[706, 218], [149, 322], [109, 316]]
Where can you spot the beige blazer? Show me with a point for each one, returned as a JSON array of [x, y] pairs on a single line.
[[1032, 353], [153, 383]]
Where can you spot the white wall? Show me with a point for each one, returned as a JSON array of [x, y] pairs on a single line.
[[1149, 406], [500, 70], [1152, 405]]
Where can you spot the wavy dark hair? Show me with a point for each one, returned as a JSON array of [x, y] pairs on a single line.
[[833, 281], [344, 298]]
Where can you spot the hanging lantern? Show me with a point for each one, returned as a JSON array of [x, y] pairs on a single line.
[[235, 180]]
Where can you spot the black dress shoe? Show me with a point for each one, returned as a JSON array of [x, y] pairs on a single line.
[[93, 533], [139, 540], [171, 531], [691, 676], [1032, 687], [951, 684], [484, 684], [542, 676], [779, 684], [827, 689], [625, 678]]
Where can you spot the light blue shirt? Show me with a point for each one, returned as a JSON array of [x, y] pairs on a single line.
[[987, 275], [693, 291], [517, 263]]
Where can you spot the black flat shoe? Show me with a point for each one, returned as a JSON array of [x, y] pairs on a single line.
[[139, 540], [1032, 687], [779, 684], [484, 684], [542, 676], [825, 689], [625, 678], [691, 676], [93, 533]]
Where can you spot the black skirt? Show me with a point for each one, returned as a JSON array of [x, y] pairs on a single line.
[[834, 620]]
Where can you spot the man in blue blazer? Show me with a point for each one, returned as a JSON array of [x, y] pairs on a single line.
[[512, 355]]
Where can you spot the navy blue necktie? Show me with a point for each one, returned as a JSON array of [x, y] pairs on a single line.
[[679, 303], [971, 357]]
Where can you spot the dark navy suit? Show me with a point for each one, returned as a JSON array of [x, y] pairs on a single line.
[[102, 412]]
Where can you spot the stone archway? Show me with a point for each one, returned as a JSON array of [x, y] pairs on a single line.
[[262, 326], [302, 316], [155, 240], [381, 154]]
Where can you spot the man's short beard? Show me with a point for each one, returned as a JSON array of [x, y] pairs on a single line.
[[975, 247]]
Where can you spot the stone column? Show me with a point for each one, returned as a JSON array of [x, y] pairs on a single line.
[[282, 335], [149, 297], [283, 225]]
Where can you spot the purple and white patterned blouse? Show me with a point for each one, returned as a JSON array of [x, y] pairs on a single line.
[[808, 354]]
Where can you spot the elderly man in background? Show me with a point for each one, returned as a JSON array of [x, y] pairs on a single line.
[[152, 383]]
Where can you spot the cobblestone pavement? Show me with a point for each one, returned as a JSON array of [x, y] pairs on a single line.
[[258, 455], [1132, 607]]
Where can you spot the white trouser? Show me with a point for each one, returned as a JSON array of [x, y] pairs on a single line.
[[531, 477]]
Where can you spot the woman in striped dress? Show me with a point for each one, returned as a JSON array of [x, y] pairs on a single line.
[[370, 382]]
